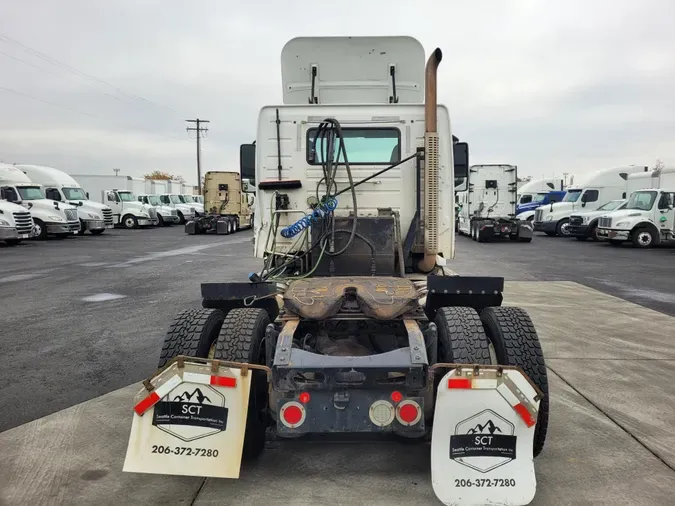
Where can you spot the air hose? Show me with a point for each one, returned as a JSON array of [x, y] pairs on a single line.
[[319, 212]]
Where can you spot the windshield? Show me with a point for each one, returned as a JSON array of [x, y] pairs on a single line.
[[188, 199], [572, 195], [641, 200], [154, 200], [74, 193], [540, 197], [610, 206], [30, 192], [126, 196], [175, 199]]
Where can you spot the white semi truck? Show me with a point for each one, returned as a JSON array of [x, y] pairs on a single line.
[[352, 325], [648, 218], [117, 193], [186, 212], [50, 217], [190, 200], [16, 223], [488, 206], [589, 193], [94, 216]]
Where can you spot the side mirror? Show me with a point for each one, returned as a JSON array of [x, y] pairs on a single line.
[[87, 194], [460, 154], [247, 161]]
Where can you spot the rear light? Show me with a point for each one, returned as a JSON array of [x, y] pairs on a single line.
[[408, 413], [382, 413], [459, 383], [292, 414], [304, 397], [396, 396]]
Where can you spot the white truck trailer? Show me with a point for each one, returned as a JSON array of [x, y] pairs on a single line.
[[352, 326], [94, 216], [648, 219], [117, 193], [16, 223], [50, 217], [590, 192], [488, 206]]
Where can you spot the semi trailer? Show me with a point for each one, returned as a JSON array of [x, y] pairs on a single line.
[[59, 186], [488, 205], [353, 325], [228, 205], [50, 217]]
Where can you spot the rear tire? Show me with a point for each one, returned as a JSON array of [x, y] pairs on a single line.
[[192, 333], [461, 338], [241, 340], [515, 341]]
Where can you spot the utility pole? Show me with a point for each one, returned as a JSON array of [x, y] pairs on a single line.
[[116, 171], [198, 129]]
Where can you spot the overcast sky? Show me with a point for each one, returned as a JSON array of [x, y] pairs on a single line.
[[550, 86]]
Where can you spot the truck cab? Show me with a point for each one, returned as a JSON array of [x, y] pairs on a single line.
[[529, 203], [128, 211], [50, 217], [166, 215], [190, 200], [590, 193], [648, 219], [185, 212], [59, 186], [16, 224]]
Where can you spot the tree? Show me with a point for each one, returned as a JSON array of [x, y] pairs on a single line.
[[159, 175]]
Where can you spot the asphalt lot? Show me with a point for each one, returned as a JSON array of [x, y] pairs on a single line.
[[79, 348], [84, 318]]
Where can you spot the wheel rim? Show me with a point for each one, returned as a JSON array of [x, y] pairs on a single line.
[[129, 222], [644, 238], [38, 229], [564, 229]]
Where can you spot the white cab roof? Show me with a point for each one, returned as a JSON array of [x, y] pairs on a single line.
[[12, 174], [352, 70], [48, 176]]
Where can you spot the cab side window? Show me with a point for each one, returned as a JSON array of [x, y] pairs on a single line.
[[164, 199], [9, 194], [591, 196], [53, 194]]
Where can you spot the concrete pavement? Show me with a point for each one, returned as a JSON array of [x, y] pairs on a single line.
[[610, 439]]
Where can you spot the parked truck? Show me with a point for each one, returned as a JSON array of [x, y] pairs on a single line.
[[94, 216], [185, 211], [16, 223], [648, 219], [50, 217], [588, 194], [534, 194], [149, 195], [353, 326], [228, 204], [117, 193], [584, 224], [488, 206]]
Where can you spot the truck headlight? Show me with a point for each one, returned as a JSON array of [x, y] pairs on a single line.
[[94, 216], [4, 223], [549, 218], [622, 224], [55, 218]]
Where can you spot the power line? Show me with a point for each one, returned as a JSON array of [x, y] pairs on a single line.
[[73, 70]]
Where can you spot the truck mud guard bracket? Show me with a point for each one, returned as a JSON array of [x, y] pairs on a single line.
[[477, 292], [226, 296]]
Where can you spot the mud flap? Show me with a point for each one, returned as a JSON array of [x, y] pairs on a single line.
[[190, 419], [481, 446]]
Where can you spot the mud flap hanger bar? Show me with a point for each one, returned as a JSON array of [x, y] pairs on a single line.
[[474, 376], [215, 367]]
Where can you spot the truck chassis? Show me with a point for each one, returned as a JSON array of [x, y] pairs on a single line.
[[487, 229]]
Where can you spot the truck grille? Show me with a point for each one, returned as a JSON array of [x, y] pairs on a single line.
[[24, 222], [174, 212], [152, 212], [605, 222], [576, 220], [108, 216], [71, 214], [538, 214]]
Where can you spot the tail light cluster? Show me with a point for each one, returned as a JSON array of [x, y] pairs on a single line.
[[382, 412]]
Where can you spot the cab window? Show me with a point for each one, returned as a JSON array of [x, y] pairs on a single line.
[[53, 194], [364, 146], [590, 196]]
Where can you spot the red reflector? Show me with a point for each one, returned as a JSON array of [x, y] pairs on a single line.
[[146, 403], [223, 381], [304, 397], [293, 415], [459, 383], [524, 414], [396, 396], [408, 413]]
